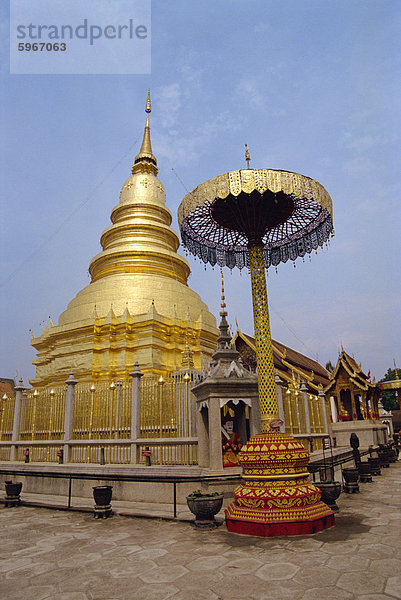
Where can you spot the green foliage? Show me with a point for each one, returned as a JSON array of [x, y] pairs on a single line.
[[389, 397], [199, 494], [329, 366]]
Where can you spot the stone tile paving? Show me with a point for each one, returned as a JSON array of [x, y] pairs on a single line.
[[50, 554]]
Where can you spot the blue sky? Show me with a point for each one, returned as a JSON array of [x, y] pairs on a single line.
[[310, 86]]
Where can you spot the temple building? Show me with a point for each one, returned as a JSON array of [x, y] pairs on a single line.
[[138, 306], [287, 362], [355, 397], [354, 404]]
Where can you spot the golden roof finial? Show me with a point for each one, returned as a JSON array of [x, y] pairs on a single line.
[[247, 156], [145, 156], [148, 108]]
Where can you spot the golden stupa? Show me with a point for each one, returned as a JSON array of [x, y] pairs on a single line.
[[138, 306]]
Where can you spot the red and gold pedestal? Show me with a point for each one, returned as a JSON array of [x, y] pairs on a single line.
[[276, 497]]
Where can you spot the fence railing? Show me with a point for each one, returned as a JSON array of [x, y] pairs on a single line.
[[120, 422], [109, 422]]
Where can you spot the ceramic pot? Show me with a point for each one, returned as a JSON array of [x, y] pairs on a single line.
[[330, 492], [384, 458], [375, 465], [365, 472], [102, 496], [351, 479], [205, 508], [13, 491]]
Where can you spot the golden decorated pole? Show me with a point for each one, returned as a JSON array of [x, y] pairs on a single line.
[[264, 350]]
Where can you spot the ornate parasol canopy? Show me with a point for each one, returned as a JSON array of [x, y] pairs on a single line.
[[288, 213], [258, 218]]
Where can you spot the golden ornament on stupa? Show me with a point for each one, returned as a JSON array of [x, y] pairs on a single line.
[[256, 218]]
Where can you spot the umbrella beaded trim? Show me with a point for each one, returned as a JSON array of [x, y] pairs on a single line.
[[296, 211]]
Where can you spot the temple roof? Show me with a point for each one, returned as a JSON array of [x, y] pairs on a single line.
[[7, 387], [354, 371], [288, 361]]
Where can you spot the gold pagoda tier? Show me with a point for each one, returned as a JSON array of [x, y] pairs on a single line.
[[138, 306]]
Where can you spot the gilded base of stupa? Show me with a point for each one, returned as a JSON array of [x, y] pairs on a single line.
[[276, 497]]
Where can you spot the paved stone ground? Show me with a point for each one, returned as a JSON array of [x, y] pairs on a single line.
[[50, 554]]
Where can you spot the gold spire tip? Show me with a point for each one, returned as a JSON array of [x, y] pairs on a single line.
[[247, 156], [148, 108], [145, 160]]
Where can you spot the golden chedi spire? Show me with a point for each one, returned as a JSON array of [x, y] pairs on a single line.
[[138, 263], [145, 160]]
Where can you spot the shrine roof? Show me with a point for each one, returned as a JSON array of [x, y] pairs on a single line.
[[7, 387], [354, 371]]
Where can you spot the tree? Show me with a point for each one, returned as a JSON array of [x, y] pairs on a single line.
[[389, 397], [329, 366]]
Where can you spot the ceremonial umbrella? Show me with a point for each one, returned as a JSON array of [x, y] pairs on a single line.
[[256, 218]]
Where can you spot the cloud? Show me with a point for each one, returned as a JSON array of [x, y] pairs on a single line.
[[184, 149], [261, 28], [170, 103], [358, 166], [366, 142], [250, 90]]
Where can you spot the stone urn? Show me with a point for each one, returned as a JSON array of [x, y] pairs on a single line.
[[375, 465], [102, 496], [383, 457], [351, 480], [392, 453], [330, 492], [365, 472], [13, 491], [205, 507]]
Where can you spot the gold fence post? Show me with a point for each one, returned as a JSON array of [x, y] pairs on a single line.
[[91, 409], [161, 382], [112, 387], [50, 430], [2, 411], [117, 420]]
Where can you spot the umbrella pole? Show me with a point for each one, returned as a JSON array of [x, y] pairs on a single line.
[[264, 350]]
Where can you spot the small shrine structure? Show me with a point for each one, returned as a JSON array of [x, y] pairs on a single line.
[[354, 402], [227, 404]]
